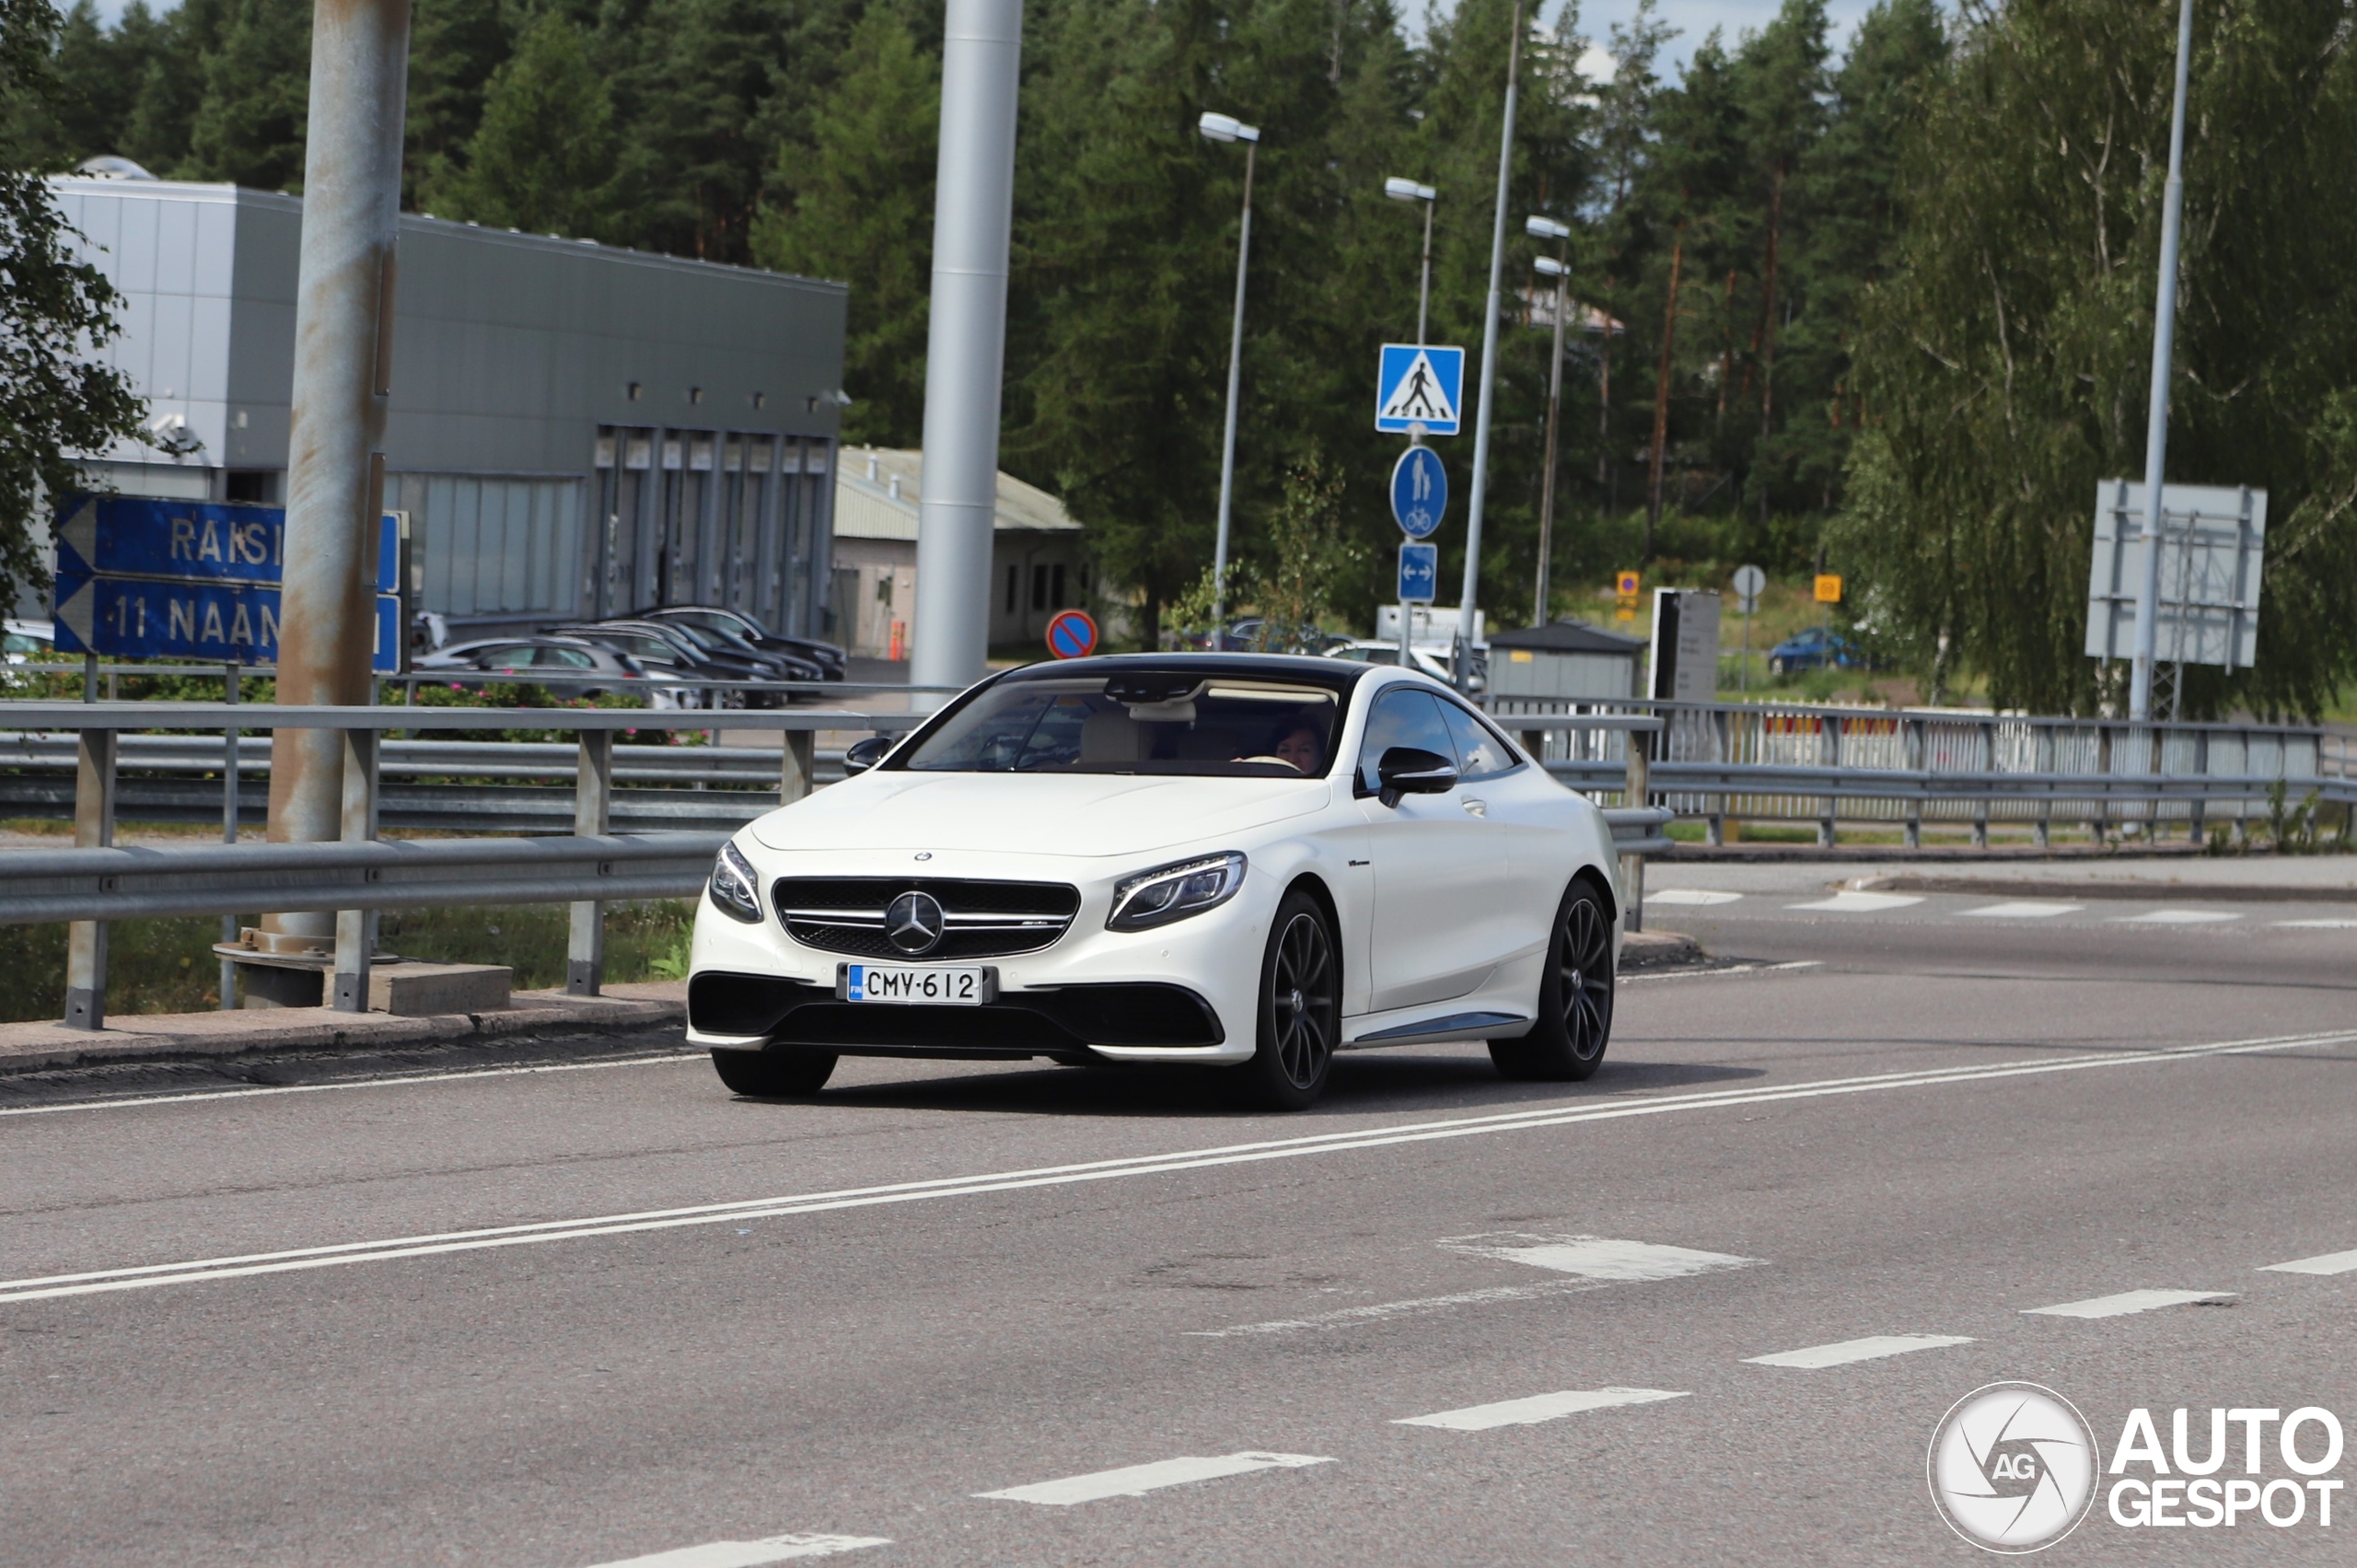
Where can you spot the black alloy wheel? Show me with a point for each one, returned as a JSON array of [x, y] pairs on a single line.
[[1301, 991], [788, 1074], [1566, 1044]]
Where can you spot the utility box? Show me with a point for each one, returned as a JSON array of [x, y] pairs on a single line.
[[1566, 659], [1685, 662]]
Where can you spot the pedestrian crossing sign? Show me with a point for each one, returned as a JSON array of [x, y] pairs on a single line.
[[1417, 384]]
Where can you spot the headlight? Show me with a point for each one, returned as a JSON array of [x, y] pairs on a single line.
[[735, 886], [1174, 892]]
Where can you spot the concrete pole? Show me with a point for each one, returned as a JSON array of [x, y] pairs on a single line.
[[973, 213], [1554, 404], [2156, 437], [1425, 279], [335, 477], [1227, 441], [1465, 604]]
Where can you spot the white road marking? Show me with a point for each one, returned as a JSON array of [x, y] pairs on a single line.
[[1596, 1257], [2126, 1302], [750, 1554], [1699, 896], [386, 1081], [1641, 977], [142, 1276], [2025, 909], [1871, 1348], [2175, 917], [1847, 902], [2317, 924], [1538, 1408], [2328, 1264], [1375, 1312], [1136, 1480]]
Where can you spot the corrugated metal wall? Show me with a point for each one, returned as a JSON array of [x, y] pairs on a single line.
[[490, 545]]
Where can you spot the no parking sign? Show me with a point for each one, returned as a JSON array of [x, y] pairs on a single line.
[[1072, 635]]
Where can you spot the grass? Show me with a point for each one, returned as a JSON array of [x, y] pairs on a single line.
[[168, 965]]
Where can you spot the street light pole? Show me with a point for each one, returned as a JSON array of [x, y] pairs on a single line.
[[1400, 190], [1548, 229], [2156, 437], [1226, 128], [1465, 610]]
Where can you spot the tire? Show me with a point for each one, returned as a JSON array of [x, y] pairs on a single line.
[[1300, 1012], [774, 1074], [1566, 1045]]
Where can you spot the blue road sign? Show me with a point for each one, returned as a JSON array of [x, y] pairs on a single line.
[[1419, 572], [139, 578], [1419, 491], [1072, 635], [1416, 384]]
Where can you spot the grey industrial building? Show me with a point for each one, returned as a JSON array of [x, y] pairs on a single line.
[[575, 429]]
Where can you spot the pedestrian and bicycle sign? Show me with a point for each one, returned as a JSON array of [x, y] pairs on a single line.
[[139, 578], [1419, 572], [1419, 491], [1419, 385], [1072, 635]]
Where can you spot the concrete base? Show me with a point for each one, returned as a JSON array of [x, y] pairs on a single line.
[[412, 990], [279, 986]]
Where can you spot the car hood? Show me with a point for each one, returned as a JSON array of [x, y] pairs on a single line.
[[1088, 814]]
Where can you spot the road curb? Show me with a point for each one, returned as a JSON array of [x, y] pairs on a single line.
[[2027, 887], [183, 1037]]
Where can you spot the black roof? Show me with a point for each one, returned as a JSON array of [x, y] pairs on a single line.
[[1301, 670], [1568, 637]]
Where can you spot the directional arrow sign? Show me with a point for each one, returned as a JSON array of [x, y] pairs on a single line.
[[1419, 572], [1415, 384]]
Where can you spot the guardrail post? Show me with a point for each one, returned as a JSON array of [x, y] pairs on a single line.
[[86, 946], [1828, 751], [2045, 802], [1912, 755], [593, 805], [1638, 791], [2102, 769], [229, 683], [1985, 757], [2197, 815], [353, 928], [1717, 821], [797, 755]]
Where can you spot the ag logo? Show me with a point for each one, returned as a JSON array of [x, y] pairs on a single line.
[[2012, 1467]]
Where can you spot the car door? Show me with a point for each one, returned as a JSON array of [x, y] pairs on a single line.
[[1436, 861], [1513, 798]]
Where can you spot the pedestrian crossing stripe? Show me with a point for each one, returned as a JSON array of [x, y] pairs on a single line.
[[1419, 385]]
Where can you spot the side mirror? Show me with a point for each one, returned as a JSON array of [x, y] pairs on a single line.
[[862, 755], [1409, 769]]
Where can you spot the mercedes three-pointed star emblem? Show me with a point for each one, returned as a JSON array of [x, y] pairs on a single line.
[[913, 922]]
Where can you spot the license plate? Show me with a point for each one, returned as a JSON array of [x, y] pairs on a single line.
[[925, 985]]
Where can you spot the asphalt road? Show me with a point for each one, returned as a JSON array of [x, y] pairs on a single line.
[[562, 1317]]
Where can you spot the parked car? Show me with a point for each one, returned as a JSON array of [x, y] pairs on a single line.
[[1243, 862], [568, 665], [1814, 649], [663, 641], [27, 642], [1244, 636], [1434, 662], [826, 656], [726, 639]]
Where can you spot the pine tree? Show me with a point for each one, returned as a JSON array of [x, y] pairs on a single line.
[[454, 48], [542, 158], [251, 126]]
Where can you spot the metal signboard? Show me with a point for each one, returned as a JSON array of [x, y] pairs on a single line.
[[1685, 662], [1828, 588], [1749, 582], [1072, 635], [1419, 491], [1419, 572], [2213, 540], [140, 578], [1417, 384]]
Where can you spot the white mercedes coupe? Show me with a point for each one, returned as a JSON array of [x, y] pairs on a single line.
[[1240, 861]]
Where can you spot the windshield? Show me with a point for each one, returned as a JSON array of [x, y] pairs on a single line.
[[1225, 727]]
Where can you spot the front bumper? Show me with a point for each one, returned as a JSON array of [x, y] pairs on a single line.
[[1064, 1022]]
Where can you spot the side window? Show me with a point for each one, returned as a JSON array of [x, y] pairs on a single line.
[[1402, 716], [564, 658], [1479, 754]]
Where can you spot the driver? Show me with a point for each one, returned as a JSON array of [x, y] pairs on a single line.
[[1304, 746]]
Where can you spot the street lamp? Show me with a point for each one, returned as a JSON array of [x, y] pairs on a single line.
[[1228, 128], [1409, 191], [1549, 266], [1466, 608]]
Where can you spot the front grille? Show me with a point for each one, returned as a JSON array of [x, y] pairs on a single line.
[[985, 920]]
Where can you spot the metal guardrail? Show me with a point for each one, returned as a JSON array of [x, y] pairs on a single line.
[[109, 678]]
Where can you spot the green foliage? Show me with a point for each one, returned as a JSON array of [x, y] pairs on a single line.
[[2004, 367], [53, 311], [854, 204], [541, 157], [1309, 558], [251, 125]]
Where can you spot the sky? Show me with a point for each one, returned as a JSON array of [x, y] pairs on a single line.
[[1693, 18]]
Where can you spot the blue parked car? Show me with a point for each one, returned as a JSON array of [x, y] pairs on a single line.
[[1814, 649]]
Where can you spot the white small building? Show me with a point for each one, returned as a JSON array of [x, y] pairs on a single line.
[[1038, 566]]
